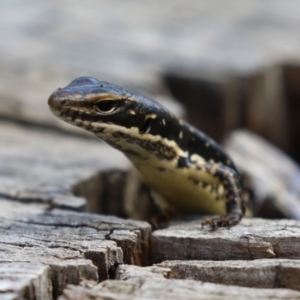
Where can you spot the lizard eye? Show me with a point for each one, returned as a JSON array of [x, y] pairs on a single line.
[[105, 106]]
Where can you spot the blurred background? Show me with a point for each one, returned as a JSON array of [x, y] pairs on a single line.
[[231, 63], [224, 64]]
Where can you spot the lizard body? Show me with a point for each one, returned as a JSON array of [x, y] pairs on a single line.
[[180, 163]]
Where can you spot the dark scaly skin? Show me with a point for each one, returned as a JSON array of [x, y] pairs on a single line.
[[160, 145]]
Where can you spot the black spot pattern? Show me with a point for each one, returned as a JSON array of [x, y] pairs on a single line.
[[158, 148]]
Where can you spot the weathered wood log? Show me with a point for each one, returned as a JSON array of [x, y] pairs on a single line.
[[251, 239], [76, 246], [25, 280], [151, 283], [47, 169], [275, 177], [39, 170], [41, 164], [259, 273]]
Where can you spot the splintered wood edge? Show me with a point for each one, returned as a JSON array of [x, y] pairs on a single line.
[[261, 273], [251, 239], [25, 280], [150, 283], [76, 246]]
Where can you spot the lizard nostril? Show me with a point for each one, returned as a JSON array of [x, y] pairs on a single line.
[[53, 101], [64, 102], [56, 101]]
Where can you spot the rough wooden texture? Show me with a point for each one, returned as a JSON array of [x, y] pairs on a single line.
[[76, 246], [150, 283], [251, 239], [46, 45], [46, 169], [260, 273], [274, 176], [25, 280], [39, 170], [40, 165]]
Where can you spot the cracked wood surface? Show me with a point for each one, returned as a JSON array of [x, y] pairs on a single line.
[[251, 239], [39, 169], [40, 165], [25, 280], [76, 246], [260, 273], [43, 169], [38, 220], [152, 283], [48, 245]]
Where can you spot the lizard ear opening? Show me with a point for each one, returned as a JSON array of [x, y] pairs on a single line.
[[146, 127]]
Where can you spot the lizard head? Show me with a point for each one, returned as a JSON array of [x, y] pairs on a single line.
[[109, 111], [92, 104]]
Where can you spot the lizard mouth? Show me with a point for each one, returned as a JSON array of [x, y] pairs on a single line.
[[54, 104], [73, 111], [62, 107], [61, 99]]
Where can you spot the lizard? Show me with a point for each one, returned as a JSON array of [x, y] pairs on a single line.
[[184, 167]]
